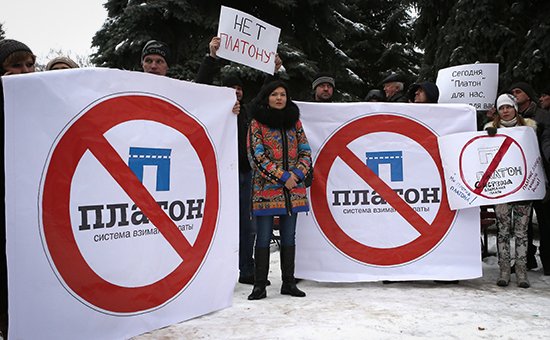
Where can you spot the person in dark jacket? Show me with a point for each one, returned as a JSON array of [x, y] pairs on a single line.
[[15, 58], [393, 87], [280, 157], [247, 228], [528, 108], [424, 93]]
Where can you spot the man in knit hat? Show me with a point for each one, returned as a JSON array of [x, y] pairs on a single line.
[[545, 98], [528, 108], [15, 58], [323, 87], [424, 93], [527, 104], [393, 87], [247, 230], [155, 57]]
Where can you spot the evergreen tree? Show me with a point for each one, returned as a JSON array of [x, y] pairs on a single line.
[[2, 33], [514, 34], [358, 41]]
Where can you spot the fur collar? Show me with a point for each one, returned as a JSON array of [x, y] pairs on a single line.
[[276, 119]]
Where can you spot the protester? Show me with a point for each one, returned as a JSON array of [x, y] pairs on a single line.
[[61, 63], [247, 228], [280, 157], [393, 87], [374, 96], [155, 57], [323, 87], [528, 108], [424, 93], [545, 98], [512, 218], [15, 58]]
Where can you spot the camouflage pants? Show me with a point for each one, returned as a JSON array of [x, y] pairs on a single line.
[[512, 221]]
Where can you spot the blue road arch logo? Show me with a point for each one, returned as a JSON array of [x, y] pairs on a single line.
[[393, 158], [141, 157]]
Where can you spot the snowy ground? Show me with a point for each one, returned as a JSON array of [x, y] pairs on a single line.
[[472, 309]]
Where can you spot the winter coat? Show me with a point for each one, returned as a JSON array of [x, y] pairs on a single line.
[[399, 97], [277, 146]]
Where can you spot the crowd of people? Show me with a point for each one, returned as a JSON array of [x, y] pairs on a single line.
[[274, 158]]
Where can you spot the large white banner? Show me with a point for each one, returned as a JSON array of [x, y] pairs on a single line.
[[116, 183], [247, 40], [379, 208], [472, 84], [483, 170]]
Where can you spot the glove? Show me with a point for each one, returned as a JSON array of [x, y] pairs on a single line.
[[491, 130]]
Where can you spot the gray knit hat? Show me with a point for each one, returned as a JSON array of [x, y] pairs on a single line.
[[7, 47], [322, 77], [63, 60]]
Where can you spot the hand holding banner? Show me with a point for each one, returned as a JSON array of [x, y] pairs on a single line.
[[247, 40], [482, 170]]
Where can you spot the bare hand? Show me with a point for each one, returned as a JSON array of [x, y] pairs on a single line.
[[292, 181], [278, 62], [214, 46], [237, 108], [491, 113]]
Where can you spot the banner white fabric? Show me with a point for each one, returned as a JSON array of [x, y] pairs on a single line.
[[116, 183], [379, 209], [484, 170], [247, 40], [472, 84]]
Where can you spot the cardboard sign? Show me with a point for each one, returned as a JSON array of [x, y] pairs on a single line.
[[247, 40], [482, 169], [114, 198], [473, 84], [378, 203]]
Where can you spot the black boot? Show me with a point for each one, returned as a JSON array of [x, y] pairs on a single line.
[[261, 268], [287, 268]]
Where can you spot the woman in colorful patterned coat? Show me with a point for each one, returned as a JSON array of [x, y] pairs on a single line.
[[280, 156], [512, 217]]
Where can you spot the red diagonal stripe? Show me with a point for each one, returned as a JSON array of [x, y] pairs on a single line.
[[125, 177], [493, 166], [387, 193]]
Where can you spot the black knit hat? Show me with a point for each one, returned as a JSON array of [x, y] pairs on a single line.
[[157, 47], [527, 89], [7, 47], [232, 81], [546, 90], [431, 90]]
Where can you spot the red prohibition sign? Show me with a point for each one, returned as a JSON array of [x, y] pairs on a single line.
[[430, 234], [87, 133], [508, 141]]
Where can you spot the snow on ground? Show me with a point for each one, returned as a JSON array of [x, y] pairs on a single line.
[[472, 309]]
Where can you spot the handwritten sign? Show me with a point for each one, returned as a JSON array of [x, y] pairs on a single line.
[[482, 169], [472, 84], [247, 40]]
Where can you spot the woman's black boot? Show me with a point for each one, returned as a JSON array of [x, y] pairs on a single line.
[[288, 255], [261, 268]]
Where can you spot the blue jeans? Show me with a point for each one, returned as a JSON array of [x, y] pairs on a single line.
[[287, 230], [247, 230]]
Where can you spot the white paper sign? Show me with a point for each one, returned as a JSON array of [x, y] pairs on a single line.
[[485, 170], [379, 209], [247, 40], [472, 84], [114, 195]]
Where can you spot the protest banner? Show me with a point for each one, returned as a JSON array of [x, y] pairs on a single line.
[[114, 195], [247, 40], [485, 170], [472, 84], [379, 209]]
